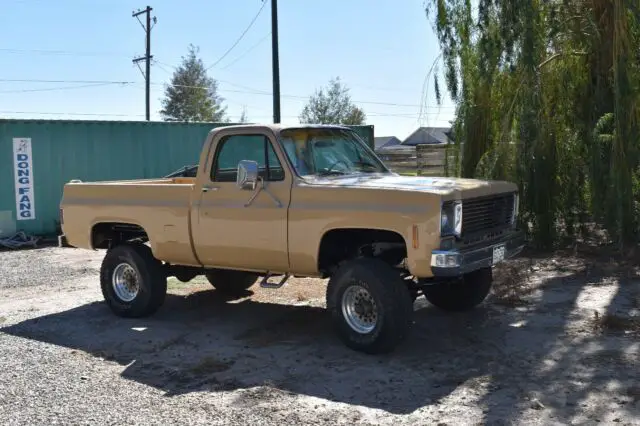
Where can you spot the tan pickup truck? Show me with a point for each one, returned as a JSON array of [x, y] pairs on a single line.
[[269, 202]]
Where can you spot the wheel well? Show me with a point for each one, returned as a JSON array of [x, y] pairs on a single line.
[[108, 234], [338, 245]]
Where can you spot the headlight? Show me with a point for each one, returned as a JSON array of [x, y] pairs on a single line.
[[451, 219]]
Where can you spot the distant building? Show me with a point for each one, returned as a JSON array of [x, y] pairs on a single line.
[[385, 141], [429, 136]]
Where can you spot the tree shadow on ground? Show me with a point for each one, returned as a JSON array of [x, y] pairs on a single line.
[[563, 372], [202, 342]]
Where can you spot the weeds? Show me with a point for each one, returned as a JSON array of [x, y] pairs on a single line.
[[511, 284]]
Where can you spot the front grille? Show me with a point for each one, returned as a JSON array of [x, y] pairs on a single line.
[[481, 215], [487, 213]]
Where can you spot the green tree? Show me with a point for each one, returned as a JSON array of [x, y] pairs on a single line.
[[548, 95], [332, 105], [192, 95]]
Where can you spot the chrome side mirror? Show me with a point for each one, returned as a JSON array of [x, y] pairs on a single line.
[[247, 174]]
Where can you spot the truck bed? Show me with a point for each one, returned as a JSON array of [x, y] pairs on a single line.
[[160, 206]]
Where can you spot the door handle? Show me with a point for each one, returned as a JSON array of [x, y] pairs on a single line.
[[209, 188]]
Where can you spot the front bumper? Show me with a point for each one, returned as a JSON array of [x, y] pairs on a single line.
[[455, 262]]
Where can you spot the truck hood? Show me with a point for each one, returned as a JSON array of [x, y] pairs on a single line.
[[444, 186]]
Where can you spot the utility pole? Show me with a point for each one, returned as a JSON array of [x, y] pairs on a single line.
[[275, 61], [147, 57]]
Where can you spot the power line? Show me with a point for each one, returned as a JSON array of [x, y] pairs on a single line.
[[408, 116], [383, 89], [248, 90], [20, 2], [59, 52], [51, 89], [70, 113], [307, 97], [24, 80], [265, 93], [368, 113], [156, 62], [239, 38], [160, 65], [246, 52]]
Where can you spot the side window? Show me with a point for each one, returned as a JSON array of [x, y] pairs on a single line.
[[234, 149]]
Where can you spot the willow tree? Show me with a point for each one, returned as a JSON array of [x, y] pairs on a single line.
[[547, 95]]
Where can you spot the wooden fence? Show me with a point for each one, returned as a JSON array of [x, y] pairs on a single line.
[[422, 160]]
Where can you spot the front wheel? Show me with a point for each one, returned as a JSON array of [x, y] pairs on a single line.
[[370, 306], [462, 294], [132, 281]]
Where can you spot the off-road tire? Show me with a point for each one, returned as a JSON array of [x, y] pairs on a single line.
[[231, 283], [392, 298], [463, 294], [151, 280]]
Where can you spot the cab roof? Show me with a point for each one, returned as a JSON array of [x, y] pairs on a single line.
[[279, 127]]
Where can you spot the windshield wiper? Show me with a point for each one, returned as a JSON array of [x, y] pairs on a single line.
[[332, 173]]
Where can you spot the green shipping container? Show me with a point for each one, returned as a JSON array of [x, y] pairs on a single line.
[[31, 183]]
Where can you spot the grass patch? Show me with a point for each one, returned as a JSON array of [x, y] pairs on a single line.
[[174, 284]]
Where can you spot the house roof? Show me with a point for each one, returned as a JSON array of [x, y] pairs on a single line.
[[381, 141], [429, 135]]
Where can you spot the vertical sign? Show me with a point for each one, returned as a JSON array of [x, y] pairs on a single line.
[[23, 171]]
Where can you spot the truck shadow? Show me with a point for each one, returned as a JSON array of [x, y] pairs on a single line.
[[202, 342]]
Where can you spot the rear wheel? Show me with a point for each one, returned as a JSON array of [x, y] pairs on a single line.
[[132, 281], [232, 283], [463, 294], [370, 306]]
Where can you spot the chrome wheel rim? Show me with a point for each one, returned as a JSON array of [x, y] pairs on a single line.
[[359, 309], [125, 282]]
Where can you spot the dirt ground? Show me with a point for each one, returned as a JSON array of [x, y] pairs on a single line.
[[557, 343]]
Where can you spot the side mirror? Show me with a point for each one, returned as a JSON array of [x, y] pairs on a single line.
[[247, 174]]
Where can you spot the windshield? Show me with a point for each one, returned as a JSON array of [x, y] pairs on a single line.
[[328, 151]]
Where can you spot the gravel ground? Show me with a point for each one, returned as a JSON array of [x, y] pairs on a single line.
[[564, 348]]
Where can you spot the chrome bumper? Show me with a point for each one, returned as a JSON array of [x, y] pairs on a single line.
[[455, 262]]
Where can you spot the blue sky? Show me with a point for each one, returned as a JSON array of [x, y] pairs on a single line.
[[381, 49]]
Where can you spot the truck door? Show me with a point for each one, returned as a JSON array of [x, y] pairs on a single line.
[[229, 228]]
